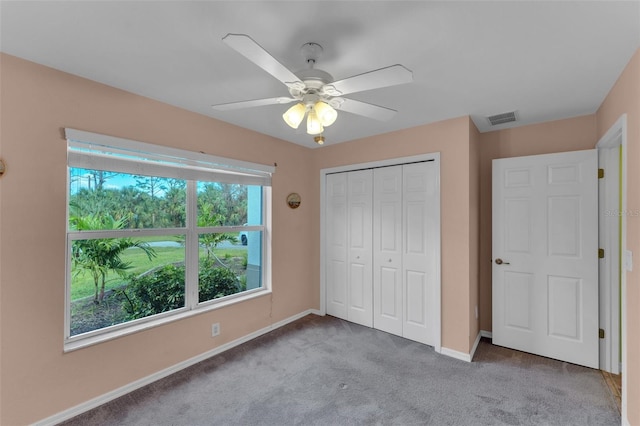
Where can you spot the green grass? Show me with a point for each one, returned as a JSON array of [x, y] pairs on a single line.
[[228, 252], [152, 238], [82, 285]]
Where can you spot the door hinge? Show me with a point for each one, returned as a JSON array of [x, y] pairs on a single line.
[[601, 333], [601, 253], [600, 173]]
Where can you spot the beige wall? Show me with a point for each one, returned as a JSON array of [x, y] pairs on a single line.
[[37, 379], [624, 98], [451, 139], [555, 136]]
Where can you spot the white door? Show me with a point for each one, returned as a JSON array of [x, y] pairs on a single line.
[[545, 255], [359, 247], [387, 248], [406, 245], [420, 208], [336, 244]]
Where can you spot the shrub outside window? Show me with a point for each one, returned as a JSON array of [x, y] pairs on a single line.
[[155, 233]]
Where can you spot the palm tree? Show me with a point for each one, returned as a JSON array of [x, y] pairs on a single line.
[[207, 217], [99, 256]]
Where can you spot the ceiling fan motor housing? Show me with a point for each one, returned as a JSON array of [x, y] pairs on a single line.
[[314, 80]]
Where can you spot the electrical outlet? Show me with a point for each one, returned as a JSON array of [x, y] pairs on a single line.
[[215, 329]]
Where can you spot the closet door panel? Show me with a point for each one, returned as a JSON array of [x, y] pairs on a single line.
[[337, 288], [418, 291], [387, 249], [416, 286], [359, 247], [336, 245], [416, 238], [388, 301], [358, 287]]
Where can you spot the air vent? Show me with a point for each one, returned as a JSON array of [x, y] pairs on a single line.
[[503, 118]]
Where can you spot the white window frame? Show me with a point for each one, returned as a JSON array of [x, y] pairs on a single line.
[[96, 151]]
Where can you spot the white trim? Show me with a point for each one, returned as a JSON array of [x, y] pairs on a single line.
[[609, 274], [487, 334], [463, 356], [382, 163], [437, 331], [619, 132], [82, 138], [475, 346], [314, 312], [116, 393], [455, 354], [323, 230], [435, 156]]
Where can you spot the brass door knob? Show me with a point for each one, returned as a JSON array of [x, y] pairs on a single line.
[[501, 262]]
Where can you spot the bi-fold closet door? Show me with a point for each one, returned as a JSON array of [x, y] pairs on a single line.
[[381, 251], [349, 246]]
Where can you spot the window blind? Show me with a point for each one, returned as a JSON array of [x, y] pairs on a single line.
[[102, 152]]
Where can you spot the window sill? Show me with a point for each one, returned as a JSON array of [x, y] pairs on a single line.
[[79, 342]]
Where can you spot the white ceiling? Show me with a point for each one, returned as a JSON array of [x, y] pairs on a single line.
[[545, 60]]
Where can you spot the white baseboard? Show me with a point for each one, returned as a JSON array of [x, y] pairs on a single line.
[[455, 354], [625, 421], [475, 346], [487, 334], [110, 396], [461, 355], [317, 312]]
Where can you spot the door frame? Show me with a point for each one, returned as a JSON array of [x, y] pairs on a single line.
[[616, 138], [435, 157], [609, 266]]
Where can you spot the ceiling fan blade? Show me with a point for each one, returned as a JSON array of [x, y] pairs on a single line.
[[367, 110], [251, 50], [383, 77], [253, 103]]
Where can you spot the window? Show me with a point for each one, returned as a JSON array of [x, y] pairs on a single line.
[[155, 233]]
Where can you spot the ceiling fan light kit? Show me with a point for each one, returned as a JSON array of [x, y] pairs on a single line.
[[314, 126], [326, 113], [294, 115], [320, 115], [315, 92]]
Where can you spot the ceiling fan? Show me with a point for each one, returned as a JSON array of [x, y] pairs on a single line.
[[316, 94]]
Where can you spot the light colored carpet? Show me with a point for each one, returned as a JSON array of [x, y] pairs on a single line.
[[325, 371]]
